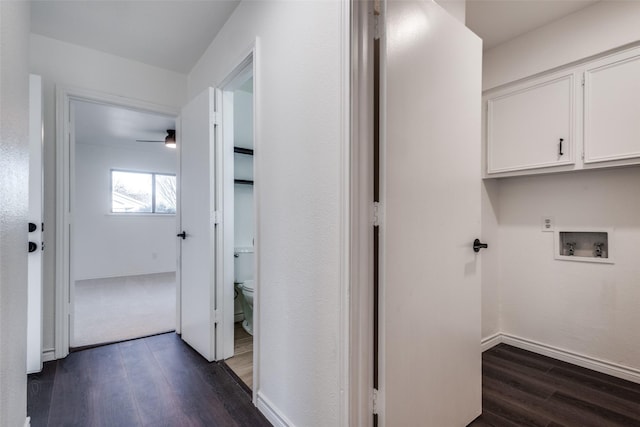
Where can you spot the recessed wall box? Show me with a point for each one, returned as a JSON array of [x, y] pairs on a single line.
[[584, 245]]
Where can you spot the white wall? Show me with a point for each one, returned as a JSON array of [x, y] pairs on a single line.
[[67, 64], [14, 166], [298, 155], [592, 30], [588, 309], [112, 245], [243, 168]]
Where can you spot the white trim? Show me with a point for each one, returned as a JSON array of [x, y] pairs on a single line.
[[64, 178], [27, 422], [593, 363], [273, 414], [257, 184], [360, 316], [490, 341], [344, 347], [48, 355]]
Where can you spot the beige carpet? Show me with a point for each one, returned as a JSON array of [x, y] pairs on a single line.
[[121, 308]]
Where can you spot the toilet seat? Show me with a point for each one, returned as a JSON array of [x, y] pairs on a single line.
[[247, 286]]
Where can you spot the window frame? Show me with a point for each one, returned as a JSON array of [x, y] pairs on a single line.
[[153, 191]]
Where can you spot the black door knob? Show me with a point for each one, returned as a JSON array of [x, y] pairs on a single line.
[[32, 227], [183, 235], [477, 245], [32, 247]]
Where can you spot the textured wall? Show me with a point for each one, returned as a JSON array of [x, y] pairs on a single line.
[[14, 166], [108, 245], [589, 309], [298, 155], [67, 64]]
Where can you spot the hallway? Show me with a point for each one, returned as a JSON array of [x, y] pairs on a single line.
[[154, 381]]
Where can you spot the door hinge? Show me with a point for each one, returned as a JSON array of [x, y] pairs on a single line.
[[216, 119], [377, 214], [377, 26], [216, 217], [374, 401], [583, 155], [217, 317], [582, 79]]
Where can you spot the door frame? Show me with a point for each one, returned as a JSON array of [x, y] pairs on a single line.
[[65, 175], [247, 65], [361, 175]]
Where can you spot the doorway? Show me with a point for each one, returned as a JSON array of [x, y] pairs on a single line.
[[117, 252], [123, 243], [239, 202]]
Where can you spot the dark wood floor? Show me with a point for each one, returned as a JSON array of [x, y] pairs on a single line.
[[154, 381], [521, 388]]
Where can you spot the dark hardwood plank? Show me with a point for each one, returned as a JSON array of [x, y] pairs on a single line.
[[509, 408], [193, 395], [521, 388], [154, 381], [39, 393], [90, 388], [154, 397]]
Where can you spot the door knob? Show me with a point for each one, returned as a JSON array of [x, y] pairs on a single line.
[[32, 227], [183, 235], [32, 247], [477, 245]]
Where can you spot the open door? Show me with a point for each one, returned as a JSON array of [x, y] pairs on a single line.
[[199, 269], [431, 360]]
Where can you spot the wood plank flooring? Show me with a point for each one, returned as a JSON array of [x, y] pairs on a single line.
[[153, 381], [521, 388], [242, 361]]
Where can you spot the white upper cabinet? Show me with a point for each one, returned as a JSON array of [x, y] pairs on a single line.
[[612, 108], [586, 116], [531, 125]]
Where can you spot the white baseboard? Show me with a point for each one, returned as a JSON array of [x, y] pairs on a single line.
[[48, 355], [273, 414], [598, 365], [490, 341], [27, 422]]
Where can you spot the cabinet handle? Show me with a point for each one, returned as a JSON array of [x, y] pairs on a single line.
[[560, 147]]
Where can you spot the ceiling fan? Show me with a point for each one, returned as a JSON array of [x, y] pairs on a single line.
[[169, 140]]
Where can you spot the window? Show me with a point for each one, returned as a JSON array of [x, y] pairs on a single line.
[[141, 192]]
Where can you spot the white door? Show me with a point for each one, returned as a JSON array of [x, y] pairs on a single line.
[[197, 212], [431, 369], [34, 262]]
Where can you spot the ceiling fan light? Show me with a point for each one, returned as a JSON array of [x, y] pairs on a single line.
[[170, 140]]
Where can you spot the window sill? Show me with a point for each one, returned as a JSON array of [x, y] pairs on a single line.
[[140, 214]]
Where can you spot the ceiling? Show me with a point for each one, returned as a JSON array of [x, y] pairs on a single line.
[[167, 34], [110, 125], [497, 21], [173, 34]]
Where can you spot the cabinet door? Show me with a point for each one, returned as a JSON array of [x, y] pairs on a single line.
[[531, 126], [612, 103]]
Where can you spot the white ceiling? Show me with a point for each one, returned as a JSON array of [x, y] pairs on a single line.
[[497, 21], [168, 34], [173, 34], [110, 125]]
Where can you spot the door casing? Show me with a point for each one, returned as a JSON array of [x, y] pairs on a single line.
[[65, 170]]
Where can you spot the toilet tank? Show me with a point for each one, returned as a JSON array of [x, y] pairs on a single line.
[[243, 264]]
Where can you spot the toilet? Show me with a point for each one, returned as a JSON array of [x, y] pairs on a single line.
[[243, 266], [247, 292]]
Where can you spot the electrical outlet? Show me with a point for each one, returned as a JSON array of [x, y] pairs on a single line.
[[547, 223]]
